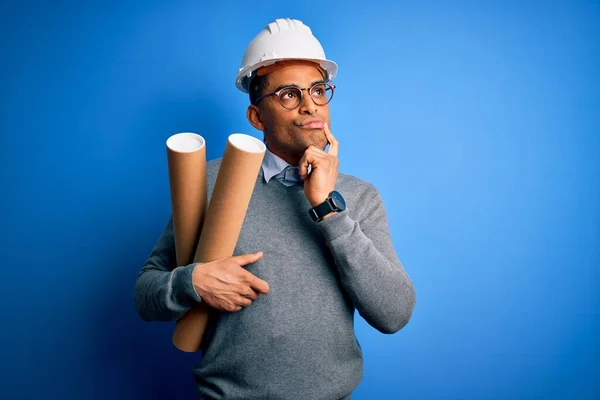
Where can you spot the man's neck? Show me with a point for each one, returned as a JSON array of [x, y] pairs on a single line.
[[288, 158]]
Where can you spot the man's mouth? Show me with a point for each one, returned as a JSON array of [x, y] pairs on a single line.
[[311, 123]]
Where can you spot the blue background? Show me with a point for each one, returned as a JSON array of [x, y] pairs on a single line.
[[479, 123]]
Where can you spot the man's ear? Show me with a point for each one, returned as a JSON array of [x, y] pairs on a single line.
[[255, 117]]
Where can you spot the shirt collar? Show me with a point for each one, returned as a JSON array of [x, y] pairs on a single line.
[[274, 165]]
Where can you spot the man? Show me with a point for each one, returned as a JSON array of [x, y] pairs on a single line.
[[314, 247]]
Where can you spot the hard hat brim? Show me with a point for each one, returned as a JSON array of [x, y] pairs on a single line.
[[246, 74]]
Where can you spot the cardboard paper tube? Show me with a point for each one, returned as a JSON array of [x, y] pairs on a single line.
[[186, 158], [224, 219]]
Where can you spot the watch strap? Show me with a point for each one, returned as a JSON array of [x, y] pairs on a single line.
[[321, 210]]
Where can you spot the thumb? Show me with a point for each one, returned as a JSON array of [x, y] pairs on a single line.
[[245, 259]]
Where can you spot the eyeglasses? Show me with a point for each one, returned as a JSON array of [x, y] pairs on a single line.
[[291, 97]]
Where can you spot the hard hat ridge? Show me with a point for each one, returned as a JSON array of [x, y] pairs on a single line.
[[282, 39]]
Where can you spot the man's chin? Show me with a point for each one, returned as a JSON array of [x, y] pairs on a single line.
[[319, 142], [303, 149]]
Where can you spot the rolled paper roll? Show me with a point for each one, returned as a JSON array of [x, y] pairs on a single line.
[[224, 219], [186, 158]]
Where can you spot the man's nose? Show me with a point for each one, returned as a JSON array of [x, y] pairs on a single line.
[[307, 106]]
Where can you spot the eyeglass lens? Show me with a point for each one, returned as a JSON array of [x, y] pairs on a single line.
[[291, 97]]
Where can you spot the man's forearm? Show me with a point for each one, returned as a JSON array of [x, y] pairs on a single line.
[[370, 270], [163, 292]]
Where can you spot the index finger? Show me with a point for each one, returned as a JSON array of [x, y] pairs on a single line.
[[257, 284], [334, 145], [245, 259]]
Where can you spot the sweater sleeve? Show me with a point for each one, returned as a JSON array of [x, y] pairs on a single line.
[[164, 292], [369, 268]]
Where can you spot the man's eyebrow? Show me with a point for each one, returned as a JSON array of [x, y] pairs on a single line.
[[285, 85], [319, 81]]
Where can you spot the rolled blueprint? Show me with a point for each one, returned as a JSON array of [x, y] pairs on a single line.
[[224, 219], [186, 157]]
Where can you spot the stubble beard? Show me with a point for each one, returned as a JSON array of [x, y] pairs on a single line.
[[298, 141]]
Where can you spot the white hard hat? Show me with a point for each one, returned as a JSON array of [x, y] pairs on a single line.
[[284, 39]]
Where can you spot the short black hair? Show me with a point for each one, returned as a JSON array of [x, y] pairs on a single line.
[[256, 87]]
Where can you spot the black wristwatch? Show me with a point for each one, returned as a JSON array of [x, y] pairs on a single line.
[[333, 203]]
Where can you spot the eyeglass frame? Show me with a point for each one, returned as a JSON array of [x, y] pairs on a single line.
[[301, 94]]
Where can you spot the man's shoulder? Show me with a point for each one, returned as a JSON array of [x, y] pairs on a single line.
[[362, 196], [350, 185], [351, 182]]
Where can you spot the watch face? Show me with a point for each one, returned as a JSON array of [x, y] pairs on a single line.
[[338, 201]]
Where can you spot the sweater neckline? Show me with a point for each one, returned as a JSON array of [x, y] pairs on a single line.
[[278, 185]]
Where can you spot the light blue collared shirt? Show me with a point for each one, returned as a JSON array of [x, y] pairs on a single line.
[[275, 167]]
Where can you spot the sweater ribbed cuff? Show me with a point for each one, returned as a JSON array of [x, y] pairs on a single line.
[[183, 286]]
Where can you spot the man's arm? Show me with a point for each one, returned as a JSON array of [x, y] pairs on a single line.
[[369, 268], [163, 292], [166, 293]]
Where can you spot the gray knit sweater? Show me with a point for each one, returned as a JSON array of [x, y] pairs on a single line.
[[297, 341]]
